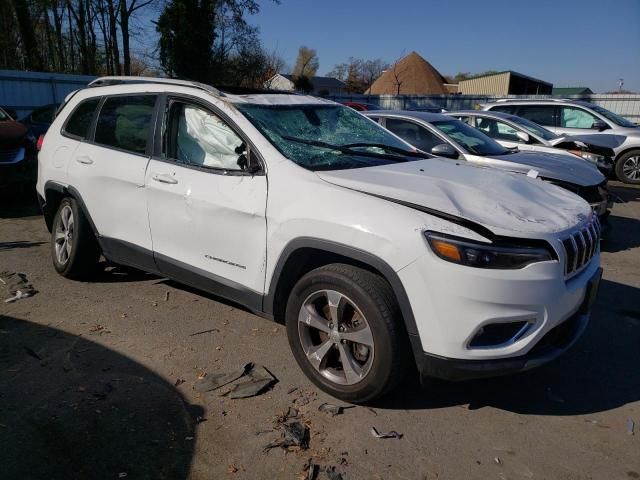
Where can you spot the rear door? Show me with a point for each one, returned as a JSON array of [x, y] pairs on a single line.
[[207, 213], [108, 170]]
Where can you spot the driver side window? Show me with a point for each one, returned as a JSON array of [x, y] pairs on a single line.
[[194, 136], [497, 130]]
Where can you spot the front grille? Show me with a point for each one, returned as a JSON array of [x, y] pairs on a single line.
[[581, 246], [11, 155]]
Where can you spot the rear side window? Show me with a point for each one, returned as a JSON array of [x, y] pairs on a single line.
[[540, 114], [124, 122], [81, 118], [504, 108]]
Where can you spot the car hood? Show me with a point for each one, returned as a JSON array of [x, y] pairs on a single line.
[[570, 169], [600, 140], [505, 203]]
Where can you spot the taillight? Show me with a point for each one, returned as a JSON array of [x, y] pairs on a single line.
[[40, 142]]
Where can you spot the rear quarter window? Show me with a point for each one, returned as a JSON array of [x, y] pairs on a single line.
[[80, 120], [124, 122]]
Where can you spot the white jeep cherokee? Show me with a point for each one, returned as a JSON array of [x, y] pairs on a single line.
[[303, 210]]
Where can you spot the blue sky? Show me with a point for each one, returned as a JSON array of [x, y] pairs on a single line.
[[567, 42]]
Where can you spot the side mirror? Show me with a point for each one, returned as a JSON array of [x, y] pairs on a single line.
[[523, 136], [599, 125], [444, 150]]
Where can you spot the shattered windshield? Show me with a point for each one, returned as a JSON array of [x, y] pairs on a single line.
[[327, 137], [472, 140]]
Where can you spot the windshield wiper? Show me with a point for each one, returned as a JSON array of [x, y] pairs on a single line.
[[389, 148], [347, 149]]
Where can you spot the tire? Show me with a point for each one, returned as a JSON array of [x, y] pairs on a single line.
[[366, 310], [74, 248], [628, 167]]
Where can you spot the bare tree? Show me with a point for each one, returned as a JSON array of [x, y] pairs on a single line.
[[127, 9], [371, 70], [307, 63], [398, 72]]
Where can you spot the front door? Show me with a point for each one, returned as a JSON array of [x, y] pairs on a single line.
[[206, 212]]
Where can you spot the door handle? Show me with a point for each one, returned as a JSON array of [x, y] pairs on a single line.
[[165, 179], [84, 160]]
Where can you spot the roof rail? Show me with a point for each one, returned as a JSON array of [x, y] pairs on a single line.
[[106, 81], [549, 99]]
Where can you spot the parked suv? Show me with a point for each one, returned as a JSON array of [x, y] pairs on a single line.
[[304, 211], [574, 117]]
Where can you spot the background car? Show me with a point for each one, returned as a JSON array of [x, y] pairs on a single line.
[[361, 107], [18, 155], [40, 119], [512, 131], [573, 117], [448, 137]]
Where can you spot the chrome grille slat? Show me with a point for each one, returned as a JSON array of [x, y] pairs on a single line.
[[581, 246]]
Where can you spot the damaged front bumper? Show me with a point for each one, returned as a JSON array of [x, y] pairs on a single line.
[[552, 345]]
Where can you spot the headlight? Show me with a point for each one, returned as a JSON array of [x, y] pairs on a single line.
[[481, 255], [599, 160]]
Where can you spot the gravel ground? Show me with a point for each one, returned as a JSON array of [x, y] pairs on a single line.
[[97, 381]]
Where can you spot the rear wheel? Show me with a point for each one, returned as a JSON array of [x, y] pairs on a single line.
[[345, 331], [628, 167], [74, 248]]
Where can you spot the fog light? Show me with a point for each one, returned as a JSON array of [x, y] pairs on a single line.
[[498, 334]]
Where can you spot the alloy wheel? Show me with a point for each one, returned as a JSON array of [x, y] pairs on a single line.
[[631, 168], [63, 235], [336, 337]]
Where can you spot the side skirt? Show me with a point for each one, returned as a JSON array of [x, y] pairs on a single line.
[[125, 253]]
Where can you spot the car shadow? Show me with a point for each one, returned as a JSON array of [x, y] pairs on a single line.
[[624, 234], [600, 373], [109, 273], [16, 204], [624, 193], [71, 408], [19, 245]]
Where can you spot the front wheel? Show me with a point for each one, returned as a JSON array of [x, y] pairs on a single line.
[[346, 332], [628, 167]]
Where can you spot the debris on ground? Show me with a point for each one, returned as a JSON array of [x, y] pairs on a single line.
[[249, 381], [311, 470], [15, 286], [372, 411], [259, 379], [232, 468], [332, 409], [391, 434], [205, 331], [291, 390], [209, 382], [166, 296], [332, 474], [497, 461], [294, 434], [630, 426], [179, 382]]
